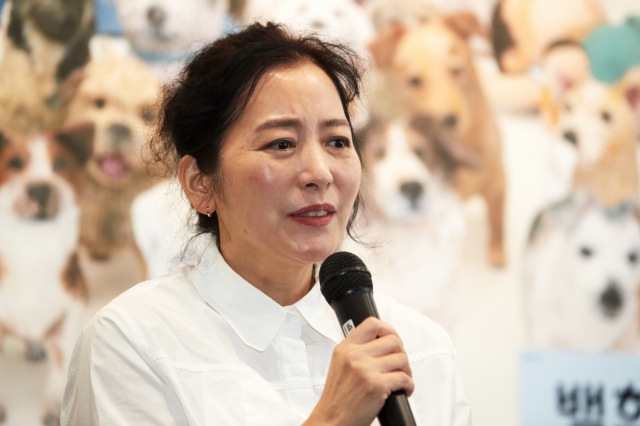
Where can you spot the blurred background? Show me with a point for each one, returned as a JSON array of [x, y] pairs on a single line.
[[500, 148]]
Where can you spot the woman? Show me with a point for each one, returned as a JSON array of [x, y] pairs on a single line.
[[260, 124]]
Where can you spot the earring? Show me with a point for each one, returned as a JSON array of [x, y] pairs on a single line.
[[208, 214]]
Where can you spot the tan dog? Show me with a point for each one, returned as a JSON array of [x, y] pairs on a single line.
[[118, 95], [599, 121], [44, 42], [430, 72]]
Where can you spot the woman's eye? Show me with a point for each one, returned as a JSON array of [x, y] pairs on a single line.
[[282, 145], [339, 143]]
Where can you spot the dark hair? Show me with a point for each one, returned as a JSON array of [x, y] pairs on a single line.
[[208, 97]]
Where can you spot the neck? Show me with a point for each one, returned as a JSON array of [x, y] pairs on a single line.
[[284, 282]]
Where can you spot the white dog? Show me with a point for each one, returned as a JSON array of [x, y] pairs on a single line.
[[341, 20], [581, 275], [413, 223], [166, 32], [42, 289]]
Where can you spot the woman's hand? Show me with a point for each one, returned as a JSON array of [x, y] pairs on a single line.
[[365, 368]]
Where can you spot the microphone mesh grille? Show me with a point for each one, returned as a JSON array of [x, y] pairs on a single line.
[[339, 284]]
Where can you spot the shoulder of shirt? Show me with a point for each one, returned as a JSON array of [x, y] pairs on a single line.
[[142, 299], [421, 336]]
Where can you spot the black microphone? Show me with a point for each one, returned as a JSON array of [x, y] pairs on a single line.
[[346, 283]]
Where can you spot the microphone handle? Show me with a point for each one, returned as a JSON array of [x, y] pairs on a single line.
[[352, 308]]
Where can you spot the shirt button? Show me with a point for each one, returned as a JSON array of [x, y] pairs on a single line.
[[294, 371]]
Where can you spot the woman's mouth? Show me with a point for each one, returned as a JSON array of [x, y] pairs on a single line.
[[316, 215]]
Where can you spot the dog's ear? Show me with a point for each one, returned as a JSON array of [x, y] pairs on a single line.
[[384, 45], [446, 152], [15, 29], [78, 140], [466, 24], [4, 142], [564, 215]]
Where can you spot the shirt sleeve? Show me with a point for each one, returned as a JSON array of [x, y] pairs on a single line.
[[111, 381]]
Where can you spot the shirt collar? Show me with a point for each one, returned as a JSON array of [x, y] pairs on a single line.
[[254, 316]]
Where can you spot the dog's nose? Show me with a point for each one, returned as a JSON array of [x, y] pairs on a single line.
[[450, 120], [611, 300], [411, 190], [571, 136], [156, 16], [119, 134], [39, 193], [318, 25]]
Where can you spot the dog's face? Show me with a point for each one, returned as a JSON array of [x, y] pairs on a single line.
[[402, 158], [396, 171], [432, 68], [596, 119], [338, 19], [171, 28], [40, 177], [57, 19], [603, 258], [119, 96]]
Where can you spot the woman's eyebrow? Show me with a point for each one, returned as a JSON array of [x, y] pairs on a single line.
[[295, 123]]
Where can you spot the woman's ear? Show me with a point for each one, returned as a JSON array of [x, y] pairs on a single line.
[[196, 185]]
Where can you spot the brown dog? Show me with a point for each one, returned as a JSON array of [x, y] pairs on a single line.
[[430, 72], [119, 96], [42, 288], [44, 42]]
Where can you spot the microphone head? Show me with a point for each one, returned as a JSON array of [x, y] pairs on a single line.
[[342, 272]]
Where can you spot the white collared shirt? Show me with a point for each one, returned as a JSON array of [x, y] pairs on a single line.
[[202, 346]]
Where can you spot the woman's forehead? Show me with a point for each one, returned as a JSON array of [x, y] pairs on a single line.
[[297, 91]]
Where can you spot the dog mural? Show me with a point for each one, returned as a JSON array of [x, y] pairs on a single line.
[[119, 96], [429, 70], [582, 275], [44, 42], [413, 223], [164, 33], [42, 289]]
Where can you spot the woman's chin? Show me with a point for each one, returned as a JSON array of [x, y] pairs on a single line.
[[316, 250]]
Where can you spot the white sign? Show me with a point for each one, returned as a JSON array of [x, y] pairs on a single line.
[[573, 389]]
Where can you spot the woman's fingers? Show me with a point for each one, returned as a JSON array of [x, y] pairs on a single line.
[[370, 329], [399, 380]]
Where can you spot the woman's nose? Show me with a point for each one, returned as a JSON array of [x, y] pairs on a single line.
[[315, 172]]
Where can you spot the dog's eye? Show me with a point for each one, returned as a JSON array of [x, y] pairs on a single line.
[[148, 115], [633, 257], [586, 252], [16, 163], [99, 102], [415, 81], [60, 165], [606, 116]]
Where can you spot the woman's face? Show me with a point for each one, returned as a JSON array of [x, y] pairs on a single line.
[[290, 173]]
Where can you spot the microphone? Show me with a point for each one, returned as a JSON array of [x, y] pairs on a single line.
[[346, 283]]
